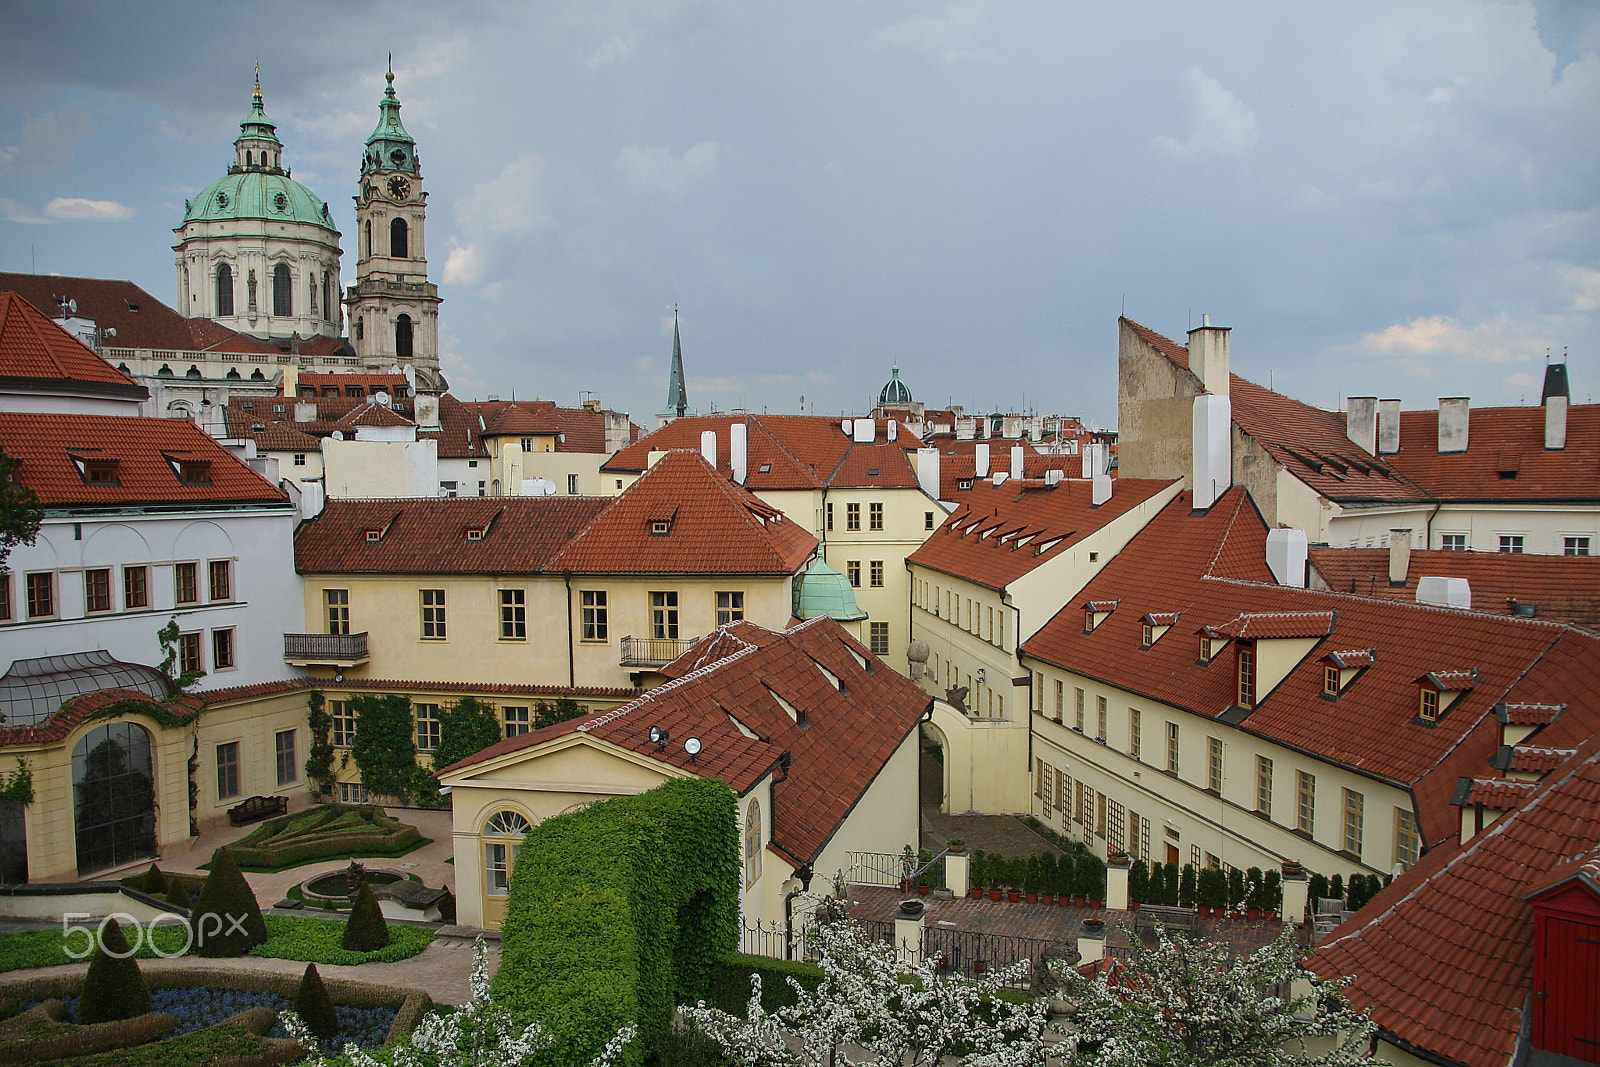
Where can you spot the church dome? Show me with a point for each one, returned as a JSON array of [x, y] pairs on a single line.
[[261, 195], [821, 590], [894, 392]]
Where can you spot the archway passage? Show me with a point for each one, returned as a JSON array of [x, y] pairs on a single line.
[[933, 771], [114, 797]]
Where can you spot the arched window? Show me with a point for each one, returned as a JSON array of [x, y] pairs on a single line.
[[113, 796], [752, 842], [368, 253], [224, 290], [361, 327], [327, 299], [500, 856], [247, 160], [282, 291], [397, 239], [402, 337]]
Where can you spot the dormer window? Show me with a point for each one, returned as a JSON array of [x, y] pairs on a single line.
[[1439, 690], [1247, 675], [374, 535], [1154, 625], [1147, 636], [1096, 612], [192, 471], [1330, 681], [964, 483], [1205, 648], [1340, 668], [475, 533], [1429, 709], [1211, 644], [660, 528], [99, 471]]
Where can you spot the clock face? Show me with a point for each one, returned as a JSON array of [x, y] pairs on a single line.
[[399, 187]]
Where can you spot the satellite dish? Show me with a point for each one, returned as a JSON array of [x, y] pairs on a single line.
[[692, 746]]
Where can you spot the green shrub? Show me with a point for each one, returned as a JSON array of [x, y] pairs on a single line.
[[367, 931], [1336, 886], [311, 940], [730, 982], [113, 987], [385, 745], [225, 897], [1047, 872], [314, 1006], [1188, 884], [1272, 890], [447, 907], [152, 881], [1237, 889], [465, 728], [178, 896], [1139, 882], [1318, 888]]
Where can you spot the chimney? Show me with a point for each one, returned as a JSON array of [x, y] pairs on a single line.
[[738, 451], [708, 446], [619, 430], [966, 427], [980, 456], [1286, 557], [891, 430], [1208, 355], [592, 406], [1453, 412], [1361, 423], [999, 478], [1212, 442], [1012, 427], [1445, 592], [1399, 556], [305, 411], [1016, 461], [1388, 427], [1100, 487], [928, 471], [866, 431], [1555, 398], [1053, 476]]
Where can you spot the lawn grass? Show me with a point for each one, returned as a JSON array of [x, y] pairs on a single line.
[[227, 1042]]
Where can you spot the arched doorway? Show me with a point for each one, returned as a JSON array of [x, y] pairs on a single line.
[[114, 797], [502, 840], [934, 770]]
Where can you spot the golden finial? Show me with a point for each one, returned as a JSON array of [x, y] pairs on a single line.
[[258, 81]]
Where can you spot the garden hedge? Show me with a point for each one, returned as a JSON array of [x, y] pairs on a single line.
[[308, 836], [40, 1035], [226, 919], [619, 912], [730, 982]]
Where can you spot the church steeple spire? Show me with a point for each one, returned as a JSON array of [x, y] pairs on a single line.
[[677, 393]]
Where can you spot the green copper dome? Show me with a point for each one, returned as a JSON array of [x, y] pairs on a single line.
[[258, 195], [821, 590], [894, 392], [390, 147]]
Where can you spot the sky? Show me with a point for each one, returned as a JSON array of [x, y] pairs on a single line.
[[1395, 198]]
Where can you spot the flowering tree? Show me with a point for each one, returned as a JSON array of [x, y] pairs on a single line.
[[478, 1034], [1193, 1004], [874, 1009]]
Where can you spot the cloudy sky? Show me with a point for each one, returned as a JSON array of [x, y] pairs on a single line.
[[1395, 197]]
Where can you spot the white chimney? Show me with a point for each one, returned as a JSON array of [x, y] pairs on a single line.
[[1016, 461], [1445, 592], [999, 478], [1555, 423], [1399, 556], [738, 450], [1100, 486], [980, 456], [1453, 415], [892, 429], [708, 446], [1213, 448], [966, 427], [1208, 355], [848, 426], [312, 499], [1088, 461], [1388, 427], [305, 411], [866, 431], [1053, 476], [1361, 422], [1286, 557], [1012, 427], [928, 471]]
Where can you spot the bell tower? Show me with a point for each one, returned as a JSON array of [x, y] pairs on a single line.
[[393, 308]]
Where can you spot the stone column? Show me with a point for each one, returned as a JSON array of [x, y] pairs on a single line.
[[1296, 893], [908, 930], [957, 871], [1091, 941], [1117, 882]]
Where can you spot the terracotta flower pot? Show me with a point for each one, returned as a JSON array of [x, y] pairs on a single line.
[[1063, 901], [975, 894], [1033, 898], [1097, 905], [1272, 916], [1047, 899], [924, 890], [1079, 902], [1253, 913], [1133, 905], [995, 894], [1014, 895]]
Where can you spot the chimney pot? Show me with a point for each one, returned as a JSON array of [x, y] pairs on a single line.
[[738, 451], [980, 456], [1016, 461], [1555, 423], [708, 446], [1209, 356], [1212, 445]]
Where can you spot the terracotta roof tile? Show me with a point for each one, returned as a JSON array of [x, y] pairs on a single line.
[[146, 453], [1535, 759], [34, 346], [141, 321], [371, 414], [1254, 625], [371, 384], [582, 430], [1353, 658], [1500, 794], [1528, 714], [1503, 439]]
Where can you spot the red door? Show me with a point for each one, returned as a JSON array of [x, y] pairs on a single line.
[[1566, 1012], [1172, 853]]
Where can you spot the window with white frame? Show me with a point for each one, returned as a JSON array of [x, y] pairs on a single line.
[[427, 727], [752, 842], [502, 840], [343, 718]]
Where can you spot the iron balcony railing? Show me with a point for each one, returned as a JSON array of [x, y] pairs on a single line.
[[325, 648], [654, 651]]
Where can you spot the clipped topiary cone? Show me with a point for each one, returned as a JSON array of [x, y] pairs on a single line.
[[151, 881], [113, 988], [226, 919], [314, 1006], [366, 931], [178, 896], [447, 907]]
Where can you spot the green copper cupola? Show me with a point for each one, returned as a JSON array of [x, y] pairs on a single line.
[[390, 147], [258, 147]]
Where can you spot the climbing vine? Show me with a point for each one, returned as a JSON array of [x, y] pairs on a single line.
[[149, 709], [168, 636], [17, 786], [385, 746], [319, 763], [194, 785]]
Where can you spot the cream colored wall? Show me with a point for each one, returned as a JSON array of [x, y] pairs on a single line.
[[380, 468], [1154, 412], [985, 762], [255, 724], [957, 644], [1542, 527], [1275, 659], [904, 530], [1225, 825], [885, 819], [310, 472], [510, 465]]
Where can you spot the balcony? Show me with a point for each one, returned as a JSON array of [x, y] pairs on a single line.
[[654, 651], [325, 650]]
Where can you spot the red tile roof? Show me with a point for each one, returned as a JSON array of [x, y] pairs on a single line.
[[72, 714], [371, 414], [998, 534], [1173, 564], [1534, 759], [582, 430], [1257, 625], [1499, 794], [712, 527], [393, 384], [1359, 657], [141, 321], [1529, 714], [958, 470], [1443, 958], [1564, 588], [33, 346], [146, 452], [1510, 439], [835, 756]]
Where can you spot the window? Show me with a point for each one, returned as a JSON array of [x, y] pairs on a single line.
[[594, 614], [500, 857], [1214, 764], [1078, 721], [1100, 719], [879, 637], [1060, 699], [1115, 814], [282, 291], [222, 649], [288, 765], [1041, 780], [1353, 803], [228, 770], [220, 573], [100, 472], [829, 520], [189, 653], [1406, 840], [402, 337], [1264, 785], [1100, 814], [398, 245], [433, 615], [427, 727], [1330, 681], [730, 607], [527, 444], [1429, 711], [338, 603], [5, 596], [874, 516], [1172, 748], [1247, 675], [97, 590], [1135, 728], [752, 843], [516, 721], [852, 516], [875, 573], [664, 616], [1205, 649], [224, 290], [41, 595], [186, 582], [344, 722], [353, 793], [1305, 791], [927, 520], [852, 570], [513, 615], [135, 588], [572, 485], [1574, 546], [1146, 635], [1453, 542], [1511, 543]]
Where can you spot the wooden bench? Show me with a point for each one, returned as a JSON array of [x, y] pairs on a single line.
[[257, 808], [1170, 917]]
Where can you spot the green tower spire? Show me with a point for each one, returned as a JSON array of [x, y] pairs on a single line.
[[390, 147], [677, 395]]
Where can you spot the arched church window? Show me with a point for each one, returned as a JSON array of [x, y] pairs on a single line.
[[247, 160], [361, 327], [282, 293], [397, 239], [327, 298], [402, 337], [224, 290], [368, 253]]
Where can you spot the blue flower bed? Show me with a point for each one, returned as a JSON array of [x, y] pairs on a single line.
[[197, 1008]]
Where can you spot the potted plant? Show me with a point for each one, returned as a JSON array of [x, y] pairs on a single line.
[[976, 873], [1318, 889], [1016, 871], [1080, 881], [1187, 884], [1336, 886], [997, 875], [908, 863], [1138, 884], [956, 845], [1272, 894], [1236, 892], [1047, 878], [1066, 877], [1094, 875], [1253, 897], [1030, 879], [925, 879]]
